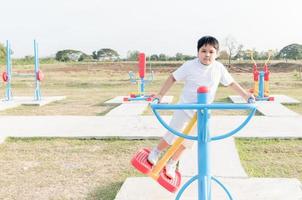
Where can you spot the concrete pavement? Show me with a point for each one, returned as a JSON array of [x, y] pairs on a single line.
[[144, 188], [140, 127], [225, 159]]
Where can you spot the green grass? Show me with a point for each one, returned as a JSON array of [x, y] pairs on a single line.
[[271, 157], [87, 86], [61, 168]]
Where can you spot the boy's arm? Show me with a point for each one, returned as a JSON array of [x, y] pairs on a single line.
[[166, 86], [237, 88]]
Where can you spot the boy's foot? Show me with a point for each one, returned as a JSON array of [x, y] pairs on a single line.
[[171, 168], [153, 156]]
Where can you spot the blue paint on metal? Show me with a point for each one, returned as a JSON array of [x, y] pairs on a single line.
[[184, 187], [8, 92], [142, 82], [37, 89], [203, 138], [261, 84]]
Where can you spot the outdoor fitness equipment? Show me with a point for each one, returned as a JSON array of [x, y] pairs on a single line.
[[7, 75], [203, 138], [141, 82], [261, 81]]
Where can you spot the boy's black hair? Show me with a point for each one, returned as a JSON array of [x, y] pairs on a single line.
[[208, 40]]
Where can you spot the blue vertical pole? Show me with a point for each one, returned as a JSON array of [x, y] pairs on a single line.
[[8, 92], [37, 90], [261, 84], [142, 87], [204, 177]]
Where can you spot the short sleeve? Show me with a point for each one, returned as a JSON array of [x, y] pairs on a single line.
[[181, 73], [226, 78]]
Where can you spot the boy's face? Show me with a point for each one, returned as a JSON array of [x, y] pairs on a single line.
[[207, 54]]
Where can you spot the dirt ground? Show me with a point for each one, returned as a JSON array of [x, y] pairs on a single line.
[[274, 67]]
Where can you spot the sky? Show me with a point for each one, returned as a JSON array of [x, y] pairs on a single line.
[[153, 26]]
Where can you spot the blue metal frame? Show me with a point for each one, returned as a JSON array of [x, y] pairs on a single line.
[[37, 89], [203, 138], [8, 90], [261, 96], [142, 83]]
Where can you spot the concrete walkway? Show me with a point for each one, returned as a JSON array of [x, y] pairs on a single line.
[[222, 151], [131, 108], [125, 122], [145, 188], [24, 100], [272, 108], [140, 127]]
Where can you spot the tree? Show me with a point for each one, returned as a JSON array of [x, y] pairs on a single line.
[[239, 53], [153, 57], [85, 57], [106, 54], [232, 47], [292, 51], [68, 55], [132, 55], [2, 52], [94, 55], [223, 55], [162, 57]]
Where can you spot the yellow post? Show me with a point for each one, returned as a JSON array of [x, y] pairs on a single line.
[[162, 162], [256, 88], [266, 88]]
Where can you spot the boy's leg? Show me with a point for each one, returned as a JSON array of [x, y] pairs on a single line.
[[162, 145], [178, 121], [171, 165], [155, 153]]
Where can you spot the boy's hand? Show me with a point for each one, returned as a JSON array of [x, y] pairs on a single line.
[[251, 98], [158, 97]]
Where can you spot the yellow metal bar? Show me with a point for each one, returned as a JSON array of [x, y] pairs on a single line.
[[269, 57], [266, 88], [138, 88], [252, 57], [163, 161], [256, 88]]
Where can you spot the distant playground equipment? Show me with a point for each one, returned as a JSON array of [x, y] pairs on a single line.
[[7, 75], [261, 81], [141, 81], [201, 119]]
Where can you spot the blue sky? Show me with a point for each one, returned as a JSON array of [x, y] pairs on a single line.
[[157, 26]]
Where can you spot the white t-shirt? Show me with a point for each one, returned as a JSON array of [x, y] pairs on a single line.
[[195, 74]]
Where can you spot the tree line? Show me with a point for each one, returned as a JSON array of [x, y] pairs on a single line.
[[231, 51]]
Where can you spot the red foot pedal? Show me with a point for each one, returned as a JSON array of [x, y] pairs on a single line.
[[140, 162], [271, 98], [126, 99], [171, 185]]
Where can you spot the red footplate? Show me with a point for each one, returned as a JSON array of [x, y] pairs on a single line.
[[171, 185], [140, 162]]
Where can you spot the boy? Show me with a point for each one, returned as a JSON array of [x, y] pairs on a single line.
[[201, 71]]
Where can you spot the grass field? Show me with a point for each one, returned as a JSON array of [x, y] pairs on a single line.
[[40, 168], [87, 86], [45, 168]]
